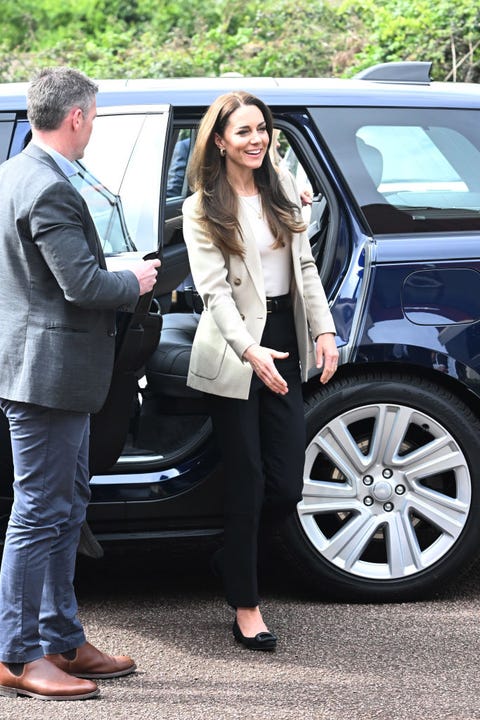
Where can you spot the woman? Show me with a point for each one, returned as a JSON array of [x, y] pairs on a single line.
[[263, 303]]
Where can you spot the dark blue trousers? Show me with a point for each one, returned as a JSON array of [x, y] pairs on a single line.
[[38, 609]]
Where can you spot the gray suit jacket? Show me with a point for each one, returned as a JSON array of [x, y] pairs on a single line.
[[235, 313], [57, 300]]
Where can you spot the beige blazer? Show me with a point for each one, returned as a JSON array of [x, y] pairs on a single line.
[[235, 314]]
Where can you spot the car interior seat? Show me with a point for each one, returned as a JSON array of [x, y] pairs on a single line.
[[372, 159], [167, 369]]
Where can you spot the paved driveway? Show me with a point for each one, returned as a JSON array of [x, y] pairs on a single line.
[[410, 661]]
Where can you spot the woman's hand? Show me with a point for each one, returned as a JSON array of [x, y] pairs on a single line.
[[327, 355], [306, 196], [261, 359]]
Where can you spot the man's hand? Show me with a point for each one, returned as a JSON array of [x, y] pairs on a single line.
[[261, 359], [327, 355], [146, 274]]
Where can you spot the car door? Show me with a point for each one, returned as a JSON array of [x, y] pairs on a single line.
[[341, 247], [121, 178]]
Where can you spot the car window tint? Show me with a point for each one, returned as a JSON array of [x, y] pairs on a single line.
[[410, 170]]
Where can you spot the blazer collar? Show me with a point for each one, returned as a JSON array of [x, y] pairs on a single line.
[[36, 152]]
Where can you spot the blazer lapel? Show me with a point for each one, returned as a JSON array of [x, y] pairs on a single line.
[[297, 271]]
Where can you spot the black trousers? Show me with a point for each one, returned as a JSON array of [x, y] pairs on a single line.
[[262, 442]]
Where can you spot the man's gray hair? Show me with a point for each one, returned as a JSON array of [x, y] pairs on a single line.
[[54, 92]]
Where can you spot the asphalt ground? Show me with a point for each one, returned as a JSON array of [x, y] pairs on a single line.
[[410, 661]]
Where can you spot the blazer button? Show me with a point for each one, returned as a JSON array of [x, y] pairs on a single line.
[[237, 281], [111, 333]]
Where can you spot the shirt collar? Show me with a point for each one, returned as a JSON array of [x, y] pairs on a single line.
[[65, 165]]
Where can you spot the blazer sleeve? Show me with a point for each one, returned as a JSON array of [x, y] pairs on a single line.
[[58, 229], [210, 275]]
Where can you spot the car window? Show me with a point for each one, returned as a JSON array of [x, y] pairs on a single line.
[[411, 170], [6, 127], [414, 167], [285, 157], [106, 210], [177, 185], [126, 152]]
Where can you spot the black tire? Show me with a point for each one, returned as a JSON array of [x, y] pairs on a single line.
[[358, 547]]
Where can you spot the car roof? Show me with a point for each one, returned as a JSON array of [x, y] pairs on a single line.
[[277, 92]]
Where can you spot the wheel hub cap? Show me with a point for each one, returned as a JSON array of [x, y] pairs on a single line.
[[382, 490]]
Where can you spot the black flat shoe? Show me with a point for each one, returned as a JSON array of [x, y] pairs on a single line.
[[261, 641]]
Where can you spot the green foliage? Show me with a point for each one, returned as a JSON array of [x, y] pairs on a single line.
[[438, 30], [309, 38]]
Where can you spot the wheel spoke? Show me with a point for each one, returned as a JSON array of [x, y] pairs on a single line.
[[327, 492], [403, 552], [340, 447], [348, 544], [328, 497], [436, 457], [390, 428], [325, 506], [447, 514]]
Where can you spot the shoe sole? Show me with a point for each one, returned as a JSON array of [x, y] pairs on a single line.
[[269, 647], [105, 676], [15, 692]]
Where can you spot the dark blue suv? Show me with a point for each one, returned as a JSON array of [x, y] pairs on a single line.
[[392, 463]]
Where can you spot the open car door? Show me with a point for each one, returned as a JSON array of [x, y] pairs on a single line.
[[122, 180]]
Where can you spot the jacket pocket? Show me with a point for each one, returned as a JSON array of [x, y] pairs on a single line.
[[209, 349], [62, 327], [207, 364]]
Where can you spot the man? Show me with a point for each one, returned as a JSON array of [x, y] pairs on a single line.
[[178, 167], [57, 338]]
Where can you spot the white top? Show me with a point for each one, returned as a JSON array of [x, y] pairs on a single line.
[[276, 262]]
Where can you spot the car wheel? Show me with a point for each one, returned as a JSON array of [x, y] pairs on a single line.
[[391, 491]]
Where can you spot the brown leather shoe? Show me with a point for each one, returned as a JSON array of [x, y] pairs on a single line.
[[88, 662], [42, 680]]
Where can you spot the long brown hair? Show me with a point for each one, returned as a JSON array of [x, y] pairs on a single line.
[[218, 201]]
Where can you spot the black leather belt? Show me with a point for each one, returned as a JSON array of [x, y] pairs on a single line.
[[279, 303]]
